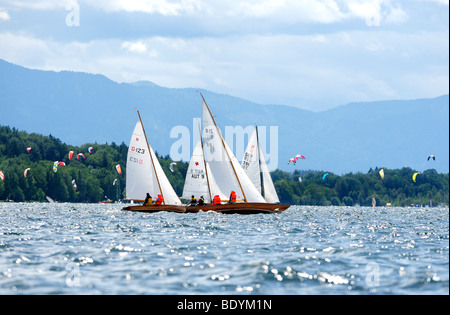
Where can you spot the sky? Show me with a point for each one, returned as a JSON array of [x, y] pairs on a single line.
[[312, 54]]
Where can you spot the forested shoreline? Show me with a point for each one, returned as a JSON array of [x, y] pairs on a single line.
[[93, 177]]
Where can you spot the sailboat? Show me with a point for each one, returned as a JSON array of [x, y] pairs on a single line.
[[199, 178], [145, 175], [254, 164], [222, 174]]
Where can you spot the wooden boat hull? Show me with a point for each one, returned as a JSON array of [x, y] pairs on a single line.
[[154, 208], [240, 208]]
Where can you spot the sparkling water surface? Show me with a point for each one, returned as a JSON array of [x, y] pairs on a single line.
[[99, 249]]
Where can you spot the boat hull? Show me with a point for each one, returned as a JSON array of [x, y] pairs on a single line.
[[155, 208], [240, 208]]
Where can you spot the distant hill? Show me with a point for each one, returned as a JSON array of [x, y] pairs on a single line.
[[83, 108]]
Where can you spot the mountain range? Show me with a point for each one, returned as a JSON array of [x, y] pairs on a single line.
[[81, 108]]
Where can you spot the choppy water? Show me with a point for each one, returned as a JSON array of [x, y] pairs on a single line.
[[98, 249]]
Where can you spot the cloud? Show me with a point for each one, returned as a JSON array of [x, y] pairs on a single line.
[[4, 16], [296, 70], [374, 12], [442, 2], [163, 7], [312, 54], [37, 4], [290, 11], [285, 11], [138, 47], [282, 11]]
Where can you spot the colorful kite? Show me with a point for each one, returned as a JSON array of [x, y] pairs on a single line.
[[119, 169], [82, 155]]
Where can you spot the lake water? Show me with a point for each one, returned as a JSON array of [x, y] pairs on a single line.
[[98, 249]]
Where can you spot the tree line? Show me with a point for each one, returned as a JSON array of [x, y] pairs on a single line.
[[96, 177], [397, 188]]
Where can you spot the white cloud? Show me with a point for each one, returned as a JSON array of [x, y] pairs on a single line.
[[326, 11], [163, 7], [138, 47], [4, 16], [375, 12], [313, 71], [290, 11], [442, 2], [37, 4]]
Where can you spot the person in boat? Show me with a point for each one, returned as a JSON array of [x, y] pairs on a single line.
[[192, 202], [201, 201], [232, 197], [148, 200], [216, 200], [160, 200]]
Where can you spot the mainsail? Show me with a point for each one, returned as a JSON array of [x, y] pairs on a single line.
[[255, 165], [226, 169], [144, 173], [199, 178]]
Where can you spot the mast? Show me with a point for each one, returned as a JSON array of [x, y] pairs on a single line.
[[204, 162], [223, 145], [263, 191], [151, 157]]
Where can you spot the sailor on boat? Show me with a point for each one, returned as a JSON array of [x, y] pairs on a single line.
[[201, 201], [148, 200], [160, 200], [216, 200], [192, 202], [232, 197]]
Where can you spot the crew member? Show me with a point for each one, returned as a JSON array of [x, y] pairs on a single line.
[[193, 201], [148, 200], [232, 197], [216, 200], [201, 201], [160, 200]]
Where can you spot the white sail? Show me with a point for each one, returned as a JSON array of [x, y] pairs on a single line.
[[250, 162], [197, 183], [270, 194], [225, 168], [144, 173], [256, 168]]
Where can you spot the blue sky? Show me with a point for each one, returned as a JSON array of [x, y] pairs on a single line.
[[314, 54]]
